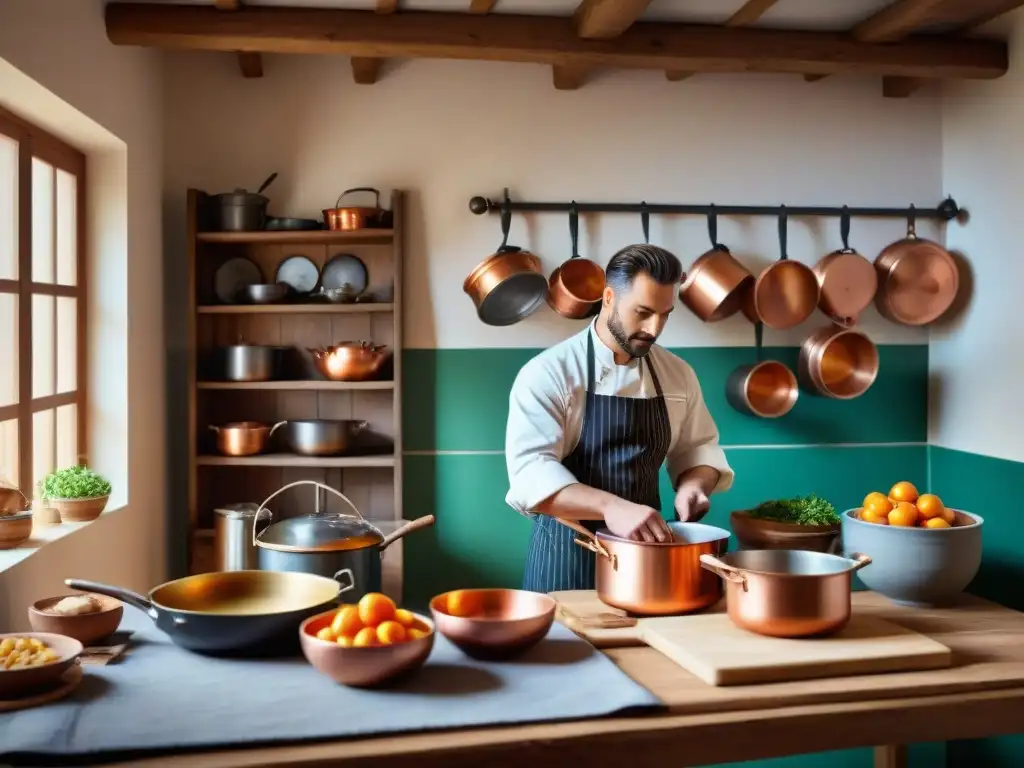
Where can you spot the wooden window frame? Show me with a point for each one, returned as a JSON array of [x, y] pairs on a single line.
[[35, 142]]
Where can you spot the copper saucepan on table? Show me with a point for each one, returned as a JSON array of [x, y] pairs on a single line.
[[351, 360], [716, 285], [655, 579], [785, 293], [577, 285], [766, 388], [507, 286], [787, 592], [918, 279], [847, 280], [244, 438], [838, 362]]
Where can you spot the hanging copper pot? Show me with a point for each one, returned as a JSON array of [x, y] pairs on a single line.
[[577, 285], [838, 362], [508, 285], [918, 279], [766, 388], [847, 279], [786, 293], [716, 284]]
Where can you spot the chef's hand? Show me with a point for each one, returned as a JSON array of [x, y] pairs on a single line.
[[691, 502], [637, 522]]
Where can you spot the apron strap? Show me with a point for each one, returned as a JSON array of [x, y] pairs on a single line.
[[654, 375], [590, 360]]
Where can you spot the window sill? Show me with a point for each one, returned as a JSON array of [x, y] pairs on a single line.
[[42, 535]]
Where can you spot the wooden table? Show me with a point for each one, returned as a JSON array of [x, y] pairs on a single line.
[[987, 641]]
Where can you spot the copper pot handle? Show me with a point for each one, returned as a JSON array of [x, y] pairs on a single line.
[[727, 572], [860, 560], [376, 193], [589, 541]]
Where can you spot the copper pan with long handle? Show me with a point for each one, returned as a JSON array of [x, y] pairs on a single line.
[[576, 286], [786, 292], [846, 279], [918, 279]]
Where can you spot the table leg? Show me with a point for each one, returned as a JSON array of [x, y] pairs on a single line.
[[891, 756]]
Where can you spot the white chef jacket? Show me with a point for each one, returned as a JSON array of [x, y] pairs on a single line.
[[547, 401]]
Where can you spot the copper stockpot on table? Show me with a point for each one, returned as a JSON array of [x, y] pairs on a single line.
[[918, 280], [655, 579], [351, 360], [847, 280], [576, 286], [838, 362], [787, 592], [785, 293], [716, 285]]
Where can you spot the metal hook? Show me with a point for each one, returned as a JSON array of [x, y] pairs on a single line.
[[758, 339], [713, 225], [645, 221], [574, 229], [844, 227], [783, 225], [912, 222]]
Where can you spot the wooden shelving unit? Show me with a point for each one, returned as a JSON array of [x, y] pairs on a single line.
[[373, 482]]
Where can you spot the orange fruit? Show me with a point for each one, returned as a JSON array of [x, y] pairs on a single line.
[[463, 603], [905, 515], [903, 491], [869, 516], [416, 633], [345, 642], [346, 621], [873, 498], [375, 608], [365, 637], [949, 516], [935, 522], [404, 617], [930, 505], [877, 504], [390, 632], [326, 634]]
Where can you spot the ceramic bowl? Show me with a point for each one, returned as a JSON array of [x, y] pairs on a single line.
[[493, 623], [23, 681], [84, 627]]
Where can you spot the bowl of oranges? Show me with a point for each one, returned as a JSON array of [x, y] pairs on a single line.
[[923, 553], [367, 643]]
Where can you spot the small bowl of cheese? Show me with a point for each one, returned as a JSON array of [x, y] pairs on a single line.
[[85, 616]]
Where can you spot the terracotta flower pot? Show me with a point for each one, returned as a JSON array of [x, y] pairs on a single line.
[[79, 510], [755, 533]]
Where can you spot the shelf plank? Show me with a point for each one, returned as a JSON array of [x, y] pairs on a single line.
[[292, 309], [298, 385], [293, 460], [314, 236]]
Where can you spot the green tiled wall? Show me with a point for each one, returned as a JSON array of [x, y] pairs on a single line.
[[456, 404]]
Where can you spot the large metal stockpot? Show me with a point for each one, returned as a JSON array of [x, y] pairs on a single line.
[[249, 362], [656, 579], [787, 592], [347, 548]]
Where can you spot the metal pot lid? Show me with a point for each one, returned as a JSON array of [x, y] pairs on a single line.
[[245, 509], [320, 533]]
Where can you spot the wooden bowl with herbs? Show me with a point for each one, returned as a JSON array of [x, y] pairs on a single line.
[[78, 493], [809, 523]]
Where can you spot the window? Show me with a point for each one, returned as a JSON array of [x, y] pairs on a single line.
[[42, 303]]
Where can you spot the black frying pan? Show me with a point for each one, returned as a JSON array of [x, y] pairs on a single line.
[[230, 612]]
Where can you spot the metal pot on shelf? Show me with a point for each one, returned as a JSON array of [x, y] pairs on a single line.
[[242, 211], [347, 548], [249, 362], [322, 437], [243, 438], [655, 579], [351, 360]]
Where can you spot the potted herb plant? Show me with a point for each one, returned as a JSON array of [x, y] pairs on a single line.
[[77, 493], [805, 522]]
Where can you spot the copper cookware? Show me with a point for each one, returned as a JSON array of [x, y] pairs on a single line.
[[243, 438], [847, 280], [353, 217], [785, 293], [918, 278], [655, 579], [715, 287], [508, 285], [767, 388], [350, 360], [838, 362], [578, 284], [787, 592], [493, 623]]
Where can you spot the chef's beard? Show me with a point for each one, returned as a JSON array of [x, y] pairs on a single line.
[[631, 345]]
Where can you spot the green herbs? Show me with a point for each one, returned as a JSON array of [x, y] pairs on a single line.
[[75, 483], [803, 510]]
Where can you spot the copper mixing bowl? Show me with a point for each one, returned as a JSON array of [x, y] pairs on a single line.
[[498, 623], [362, 667], [351, 360]]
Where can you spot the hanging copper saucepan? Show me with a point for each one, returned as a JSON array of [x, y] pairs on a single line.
[[847, 280], [716, 285], [918, 279], [785, 293], [576, 286], [838, 362], [508, 285], [767, 388]]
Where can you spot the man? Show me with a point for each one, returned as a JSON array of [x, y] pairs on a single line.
[[592, 420]]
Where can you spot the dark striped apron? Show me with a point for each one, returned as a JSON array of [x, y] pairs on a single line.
[[622, 445]]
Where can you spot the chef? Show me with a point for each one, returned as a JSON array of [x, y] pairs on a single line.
[[592, 419]]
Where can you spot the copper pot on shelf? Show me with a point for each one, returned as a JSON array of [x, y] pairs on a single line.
[[918, 279], [350, 360], [577, 285], [350, 218], [655, 579], [716, 284], [787, 592], [786, 292], [838, 362], [847, 280], [243, 438]]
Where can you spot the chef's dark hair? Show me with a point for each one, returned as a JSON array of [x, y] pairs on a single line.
[[663, 266]]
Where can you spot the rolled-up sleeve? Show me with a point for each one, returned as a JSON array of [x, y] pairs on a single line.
[[535, 437], [697, 441]]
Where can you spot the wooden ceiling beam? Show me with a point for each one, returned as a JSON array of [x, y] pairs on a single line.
[[568, 77], [605, 19], [544, 40], [366, 69], [750, 12], [896, 21], [250, 64], [482, 6]]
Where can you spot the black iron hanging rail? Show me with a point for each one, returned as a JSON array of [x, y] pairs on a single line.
[[947, 210]]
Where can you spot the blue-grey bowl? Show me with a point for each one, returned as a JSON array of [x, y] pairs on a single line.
[[917, 567]]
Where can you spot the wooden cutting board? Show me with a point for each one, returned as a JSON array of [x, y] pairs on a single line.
[[712, 648]]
